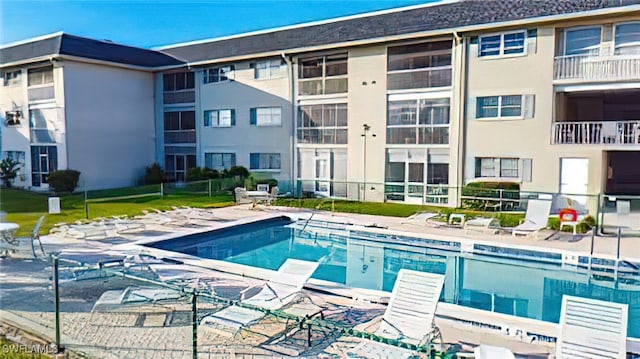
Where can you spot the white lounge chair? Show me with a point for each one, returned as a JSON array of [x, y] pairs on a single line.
[[592, 328], [420, 218], [279, 291], [484, 351], [536, 218], [409, 317], [482, 224], [24, 244]]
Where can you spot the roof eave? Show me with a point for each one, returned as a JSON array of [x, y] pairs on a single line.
[[429, 33]]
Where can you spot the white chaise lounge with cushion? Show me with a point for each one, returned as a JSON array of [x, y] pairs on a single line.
[[536, 218], [592, 328], [409, 317]]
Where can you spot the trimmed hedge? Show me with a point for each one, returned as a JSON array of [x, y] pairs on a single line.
[[64, 181]]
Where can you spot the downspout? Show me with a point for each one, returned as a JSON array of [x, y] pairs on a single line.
[[462, 91], [292, 142]]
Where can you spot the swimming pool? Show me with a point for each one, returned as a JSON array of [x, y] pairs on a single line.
[[494, 282]]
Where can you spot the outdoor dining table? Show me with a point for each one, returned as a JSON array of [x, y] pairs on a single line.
[[7, 230]]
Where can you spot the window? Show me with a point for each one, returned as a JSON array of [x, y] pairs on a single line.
[[182, 120], [178, 163], [44, 160], [219, 161], [180, 127], [18, 156], [628, 39], [12, 78], [264, 161], [39, 120], [323, 75], [584, 41], [40, 76], [268, 69], [419, 65], [326, 124], [266, 116], [507, 106], [502, 44], [501, 167], [219, 118], [420, 121], [218, 74], [178, 82]]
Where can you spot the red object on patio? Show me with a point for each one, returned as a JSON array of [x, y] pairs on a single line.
[[568, 215]]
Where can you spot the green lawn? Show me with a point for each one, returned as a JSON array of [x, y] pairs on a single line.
[[24, 207], [394, 209]]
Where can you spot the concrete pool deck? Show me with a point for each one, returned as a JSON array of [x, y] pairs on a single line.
[[163, 329]]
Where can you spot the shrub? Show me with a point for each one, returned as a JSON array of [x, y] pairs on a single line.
[[64, 180], [201, 174], [154, 174], [8, 171], [489, 190], [240, 171]]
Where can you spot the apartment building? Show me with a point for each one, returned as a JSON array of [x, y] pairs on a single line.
[[69, 102], [410, 104], [560, 100]]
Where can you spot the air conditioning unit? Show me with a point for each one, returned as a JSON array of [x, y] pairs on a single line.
[[12, 118]]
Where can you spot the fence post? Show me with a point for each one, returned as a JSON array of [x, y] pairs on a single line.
[[500, 194], [209, 188], [56, 301], [161, 190], [86, 205], [194, 324]]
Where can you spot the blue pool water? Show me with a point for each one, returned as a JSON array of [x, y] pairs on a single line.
[[510, 286]]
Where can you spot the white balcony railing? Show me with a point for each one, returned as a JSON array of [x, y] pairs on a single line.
[[597, 68], [596, 133]]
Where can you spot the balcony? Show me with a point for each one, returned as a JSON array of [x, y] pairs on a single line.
[[597, 133], [180, 136], [596, 68]]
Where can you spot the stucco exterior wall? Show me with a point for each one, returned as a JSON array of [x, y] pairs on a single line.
[[110, 123], [242, 94]]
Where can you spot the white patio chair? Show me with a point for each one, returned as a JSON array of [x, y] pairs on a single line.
[[536, 218], [592, 328], [409, 317], [25, 245], [279, 291]]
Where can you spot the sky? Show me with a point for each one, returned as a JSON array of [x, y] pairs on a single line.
[[162, 22]]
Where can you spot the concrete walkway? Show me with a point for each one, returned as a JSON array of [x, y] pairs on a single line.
[[162, 329]]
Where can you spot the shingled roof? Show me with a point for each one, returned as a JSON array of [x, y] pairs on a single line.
[[448, 15], [65, 44]]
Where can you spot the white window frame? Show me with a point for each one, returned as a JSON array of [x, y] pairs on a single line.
[[324, 77], [14, 80], [498, 168], [273, 71], [501, 50], [417, 125], [523, 104], [218, 123], [322, 128], [233, 160], [227, 71], [270, 155], [175, 74], [275, 119], [578, 28], [43, 83], [615, 34]]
